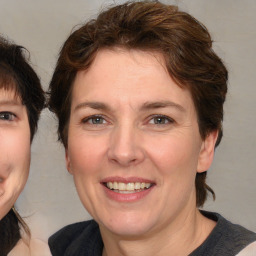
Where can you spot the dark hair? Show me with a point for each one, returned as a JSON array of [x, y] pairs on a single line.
[[16, 74], [148, 26]]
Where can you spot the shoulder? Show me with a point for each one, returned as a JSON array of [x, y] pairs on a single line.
[[226, 238], [233, 231], [249, 250], [35, 247], [75, 238]]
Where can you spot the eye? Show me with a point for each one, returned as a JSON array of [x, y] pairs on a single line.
[[7, 116], [161, 120], [94, 120]]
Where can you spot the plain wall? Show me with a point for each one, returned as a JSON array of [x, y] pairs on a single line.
[[49, 200]]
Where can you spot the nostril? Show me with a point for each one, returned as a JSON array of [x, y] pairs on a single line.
[[123, 161], [124, 148]]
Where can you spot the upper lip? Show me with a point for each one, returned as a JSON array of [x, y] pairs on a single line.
[[126, 179]]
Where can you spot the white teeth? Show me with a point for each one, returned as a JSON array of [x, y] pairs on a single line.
[[122, 186], [147, 185], [137, 185], [131, 186], [115, 185], [111, 186]]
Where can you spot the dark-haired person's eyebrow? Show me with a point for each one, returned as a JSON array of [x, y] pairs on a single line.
[[10, 103], [162, 104], [93, 105]]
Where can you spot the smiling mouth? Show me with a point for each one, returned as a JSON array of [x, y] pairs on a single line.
[[127, 188]]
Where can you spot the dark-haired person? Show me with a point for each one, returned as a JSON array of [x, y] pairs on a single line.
[[21, 101], [139, 95]]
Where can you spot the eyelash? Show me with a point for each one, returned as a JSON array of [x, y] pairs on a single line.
[[93, 117], [166, 118], [90, 119], [7, 114]]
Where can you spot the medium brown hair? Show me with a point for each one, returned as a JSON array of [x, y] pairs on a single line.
[[149, 26]]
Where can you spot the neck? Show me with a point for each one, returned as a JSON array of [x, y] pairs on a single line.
[[179, 238]]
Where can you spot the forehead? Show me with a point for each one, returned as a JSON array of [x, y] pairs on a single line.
[[9, 95], [128, 76]]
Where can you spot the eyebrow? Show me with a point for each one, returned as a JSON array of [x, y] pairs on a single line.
[[145, 106], [9, 103], [162, 104], [93, 105]]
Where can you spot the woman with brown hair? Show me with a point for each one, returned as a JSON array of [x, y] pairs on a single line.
[[139, 96], [21, 101]]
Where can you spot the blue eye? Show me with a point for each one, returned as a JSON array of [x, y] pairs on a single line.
[[7, 116], [94, 120], [160, 120]]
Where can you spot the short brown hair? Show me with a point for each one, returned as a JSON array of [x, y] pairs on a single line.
[[149, 26]]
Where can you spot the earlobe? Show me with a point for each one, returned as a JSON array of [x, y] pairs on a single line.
[[68, 165], [207, 152]]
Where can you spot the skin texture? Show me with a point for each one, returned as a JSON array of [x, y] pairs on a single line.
[[36, 248], [130, 120], [15, 149]]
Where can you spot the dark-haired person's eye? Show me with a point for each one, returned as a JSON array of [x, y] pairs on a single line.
[[7, 116], [94, 120], [161, 120]]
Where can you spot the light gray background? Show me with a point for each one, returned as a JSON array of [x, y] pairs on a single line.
[[49, 200]]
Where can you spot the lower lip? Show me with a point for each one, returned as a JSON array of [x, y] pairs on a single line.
[[131, 197]]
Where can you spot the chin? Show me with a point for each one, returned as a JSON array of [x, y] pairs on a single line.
[[129, 226]]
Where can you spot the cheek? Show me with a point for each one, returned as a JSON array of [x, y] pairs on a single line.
[[175, 162], [21, 157], [15, 149], [175, 155], [14, 163], [85, 154]]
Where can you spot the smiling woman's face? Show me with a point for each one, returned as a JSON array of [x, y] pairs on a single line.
[[14, 148], [133, 143]]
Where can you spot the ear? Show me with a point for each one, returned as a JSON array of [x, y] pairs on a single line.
[[68, 164], [207, 152]]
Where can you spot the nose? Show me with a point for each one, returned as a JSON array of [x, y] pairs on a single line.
[[125, 146]]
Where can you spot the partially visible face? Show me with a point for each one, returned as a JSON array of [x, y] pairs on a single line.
[[134, 146], [14, 149]]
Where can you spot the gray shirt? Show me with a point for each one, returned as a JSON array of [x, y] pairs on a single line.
[[227, 239]]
